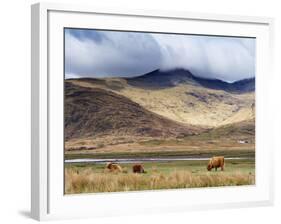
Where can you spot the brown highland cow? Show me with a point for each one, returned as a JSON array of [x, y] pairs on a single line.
[[138, 168], [216, 162], [113, 167]]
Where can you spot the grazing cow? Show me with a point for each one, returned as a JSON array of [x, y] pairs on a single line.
[[138, 168], [113, 167], [216, 162]]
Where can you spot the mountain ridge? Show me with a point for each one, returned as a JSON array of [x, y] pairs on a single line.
[[171, 78]]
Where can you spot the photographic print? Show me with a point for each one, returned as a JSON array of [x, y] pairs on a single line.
[[150, 111]]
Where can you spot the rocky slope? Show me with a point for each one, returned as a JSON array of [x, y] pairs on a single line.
[[95, 112]]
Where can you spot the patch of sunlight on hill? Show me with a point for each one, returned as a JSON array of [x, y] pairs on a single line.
[[184, 103]]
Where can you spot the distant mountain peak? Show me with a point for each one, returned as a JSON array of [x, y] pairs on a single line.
[[173, 77], [240, 86], [162, 78]]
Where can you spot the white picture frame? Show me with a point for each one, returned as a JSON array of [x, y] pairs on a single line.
[[47, 198]]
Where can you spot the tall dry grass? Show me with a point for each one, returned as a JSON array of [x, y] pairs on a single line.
[[87, 181]]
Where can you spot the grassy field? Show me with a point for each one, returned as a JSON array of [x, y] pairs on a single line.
[[87, 177], [90, 177], [249, 153]]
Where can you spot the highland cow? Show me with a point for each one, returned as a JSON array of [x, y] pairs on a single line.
[[216, 162], [138, 168], [113, 167]]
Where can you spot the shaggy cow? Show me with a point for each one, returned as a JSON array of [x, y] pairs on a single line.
[[216, 162], [113, 167], [138, 168]]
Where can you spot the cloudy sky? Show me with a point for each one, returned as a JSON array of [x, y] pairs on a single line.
[[93, 53]]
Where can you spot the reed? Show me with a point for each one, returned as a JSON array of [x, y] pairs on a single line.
[[89, 181]]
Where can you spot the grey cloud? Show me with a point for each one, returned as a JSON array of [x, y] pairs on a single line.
[[224, 58], [109, 53], [120, 54]]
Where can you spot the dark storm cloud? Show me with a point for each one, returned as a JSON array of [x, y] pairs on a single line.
[[83, 35], [90, 53], [110, 54]]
